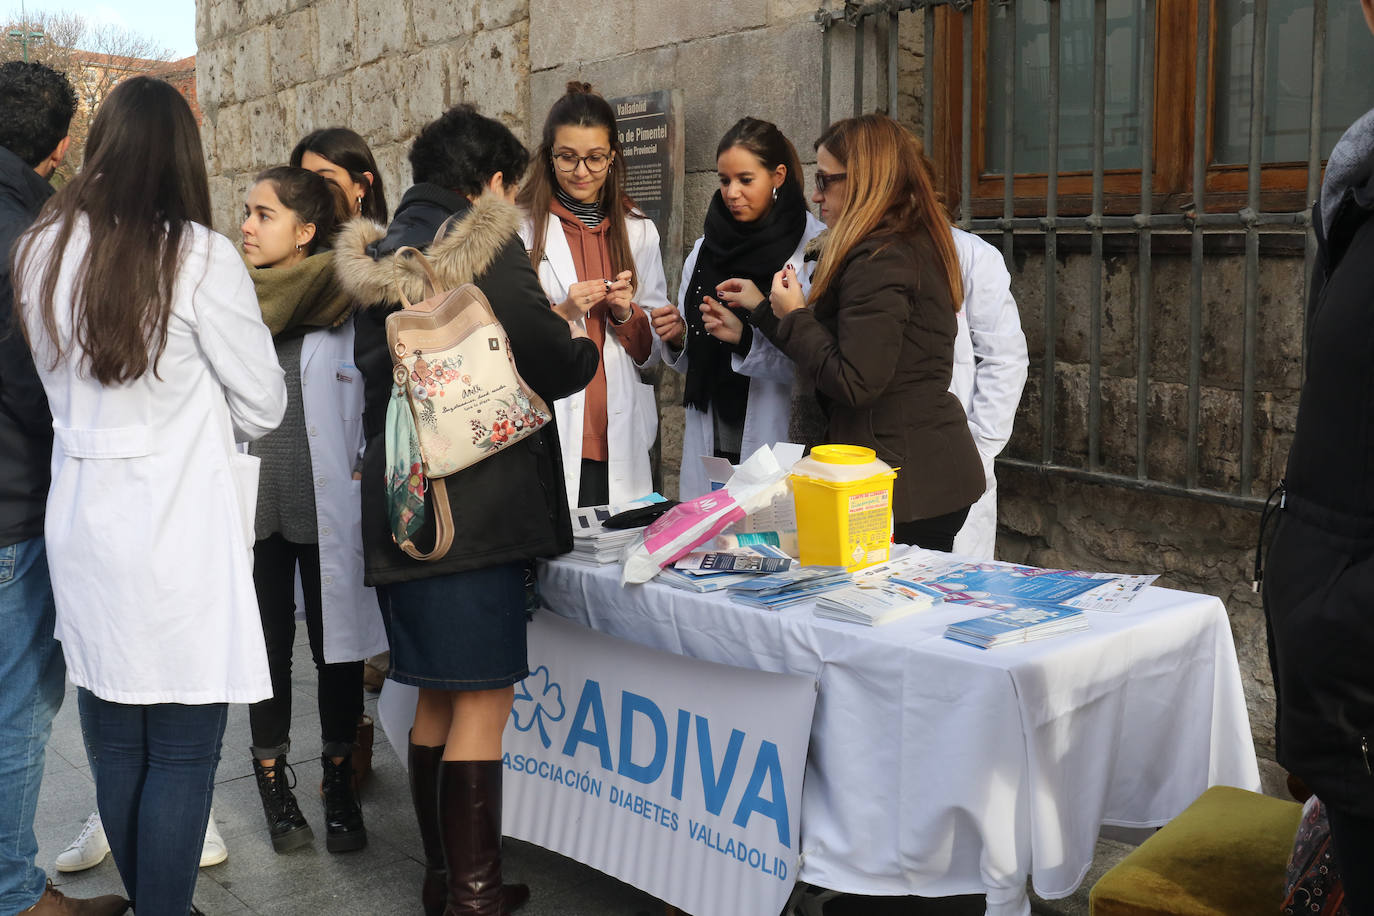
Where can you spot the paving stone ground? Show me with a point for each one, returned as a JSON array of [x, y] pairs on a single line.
[[384, 878]]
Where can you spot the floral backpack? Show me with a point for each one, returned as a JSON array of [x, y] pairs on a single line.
[[456, 398]]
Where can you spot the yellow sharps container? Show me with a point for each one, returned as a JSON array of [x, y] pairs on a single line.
[[843, 495]]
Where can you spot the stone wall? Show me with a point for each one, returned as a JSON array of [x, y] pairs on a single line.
[[271, 71]]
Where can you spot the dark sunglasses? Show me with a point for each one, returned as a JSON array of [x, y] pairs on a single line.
[[824, 181]]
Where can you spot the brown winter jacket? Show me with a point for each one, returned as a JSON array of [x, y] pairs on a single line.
[[879, 350]]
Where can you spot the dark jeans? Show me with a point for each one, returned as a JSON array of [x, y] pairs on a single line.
[[931, 533], [153, 786], [340, 693], [1353, 840]]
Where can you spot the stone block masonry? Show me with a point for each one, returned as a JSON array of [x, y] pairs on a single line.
[[269, 71]]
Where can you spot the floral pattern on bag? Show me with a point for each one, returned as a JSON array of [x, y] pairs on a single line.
[[512, 418]]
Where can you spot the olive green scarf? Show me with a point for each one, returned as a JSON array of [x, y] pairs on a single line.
[[304, 295]]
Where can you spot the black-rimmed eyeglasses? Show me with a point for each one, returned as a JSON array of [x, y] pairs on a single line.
[[824, 181], [596, 163]]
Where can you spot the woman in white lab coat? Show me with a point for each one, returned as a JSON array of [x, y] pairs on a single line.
[[152, 351], [308, 520], [599, 263], [738, 391]]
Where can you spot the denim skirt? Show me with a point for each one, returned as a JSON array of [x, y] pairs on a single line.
[[461, 631]]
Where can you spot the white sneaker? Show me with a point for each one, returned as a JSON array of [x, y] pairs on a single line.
[[88, 850], [213, 851]]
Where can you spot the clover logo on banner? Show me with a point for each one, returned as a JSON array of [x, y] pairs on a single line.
[[536, 699]]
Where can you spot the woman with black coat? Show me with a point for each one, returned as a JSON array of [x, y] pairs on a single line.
[[1319, 580], [457, 624]]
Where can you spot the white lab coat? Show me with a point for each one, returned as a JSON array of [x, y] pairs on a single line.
[[989, 372], [332, 397], [149, 518], [770, 376], [632, 411]]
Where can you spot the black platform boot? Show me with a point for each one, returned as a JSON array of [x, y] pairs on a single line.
[[343, 816], [285, 823]]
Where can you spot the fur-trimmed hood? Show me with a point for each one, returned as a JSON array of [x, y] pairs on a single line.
[[815, 247], [470, 243]]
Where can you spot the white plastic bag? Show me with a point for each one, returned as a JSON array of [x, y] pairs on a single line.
[[755, 484]]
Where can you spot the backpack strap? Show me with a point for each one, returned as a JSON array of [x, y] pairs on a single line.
[[407, 256], [443, 525]]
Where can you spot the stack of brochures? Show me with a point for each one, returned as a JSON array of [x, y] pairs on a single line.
[[754, 558], [595, 543], [784, 589], [1016, 625], [871, 606]]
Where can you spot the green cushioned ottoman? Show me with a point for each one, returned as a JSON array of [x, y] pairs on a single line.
[[1225, 855]]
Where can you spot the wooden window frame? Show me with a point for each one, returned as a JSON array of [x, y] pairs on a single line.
[[1283, 185]]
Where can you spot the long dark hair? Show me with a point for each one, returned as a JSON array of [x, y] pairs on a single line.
[[579, 107], [313, 199], [142, 184], [767, 143], [351, 153]]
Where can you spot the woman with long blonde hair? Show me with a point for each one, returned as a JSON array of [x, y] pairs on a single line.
[[876, 336]]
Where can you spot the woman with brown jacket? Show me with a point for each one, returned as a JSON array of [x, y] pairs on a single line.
[[876, 337]]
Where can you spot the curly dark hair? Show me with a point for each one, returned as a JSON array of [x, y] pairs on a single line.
[[462, 149], [36, 108]]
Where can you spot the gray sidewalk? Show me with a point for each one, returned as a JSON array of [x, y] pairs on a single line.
[[383, 879]]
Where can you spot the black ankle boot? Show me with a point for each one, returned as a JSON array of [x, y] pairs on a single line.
[[344, 829], [285, 823]]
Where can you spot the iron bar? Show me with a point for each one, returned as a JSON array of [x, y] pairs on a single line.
[[1048, 375], [1199, 214], [1314, 162], [1247, 410], [894, 50], [1183, 221], [1008, 13], [825, 74], [966, 180], [1146, 298], [1095, 295], [1125, 482]]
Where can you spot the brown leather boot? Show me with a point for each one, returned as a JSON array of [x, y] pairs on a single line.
[[55, 903], [424, 794], [362, 752], [470, 825]]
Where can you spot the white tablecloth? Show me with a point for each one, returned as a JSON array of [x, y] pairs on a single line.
[[937, 768]]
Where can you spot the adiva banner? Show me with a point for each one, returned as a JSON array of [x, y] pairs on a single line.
[[678, 776]]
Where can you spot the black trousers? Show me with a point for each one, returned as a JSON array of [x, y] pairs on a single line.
[[1352, 838], [340, 685], [931, 533]]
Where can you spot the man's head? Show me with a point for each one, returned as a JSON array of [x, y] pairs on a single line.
[[36, 107]]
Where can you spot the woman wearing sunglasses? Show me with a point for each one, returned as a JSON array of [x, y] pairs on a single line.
[[875, 336], [598, 260]]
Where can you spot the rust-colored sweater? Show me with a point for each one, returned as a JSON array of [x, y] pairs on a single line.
[[592, 259]]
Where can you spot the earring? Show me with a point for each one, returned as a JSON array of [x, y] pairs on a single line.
[[298, 247], [360, 201], [775, 192]]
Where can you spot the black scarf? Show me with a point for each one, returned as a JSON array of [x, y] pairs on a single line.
[[753, 251]]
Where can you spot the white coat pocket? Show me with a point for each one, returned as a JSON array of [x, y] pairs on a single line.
[[244, 469]]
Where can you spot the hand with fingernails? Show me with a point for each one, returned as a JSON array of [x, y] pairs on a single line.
[[669, 326], [720, 321], [620, 296], [739, 293], [786, 295], [582, 298]]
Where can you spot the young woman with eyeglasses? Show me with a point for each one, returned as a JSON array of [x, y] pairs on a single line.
[[152, 350], [875, 335], [738, 389], [599, 262]]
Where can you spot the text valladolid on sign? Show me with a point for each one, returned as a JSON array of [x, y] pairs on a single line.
[[678, 776], [651, 142]]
